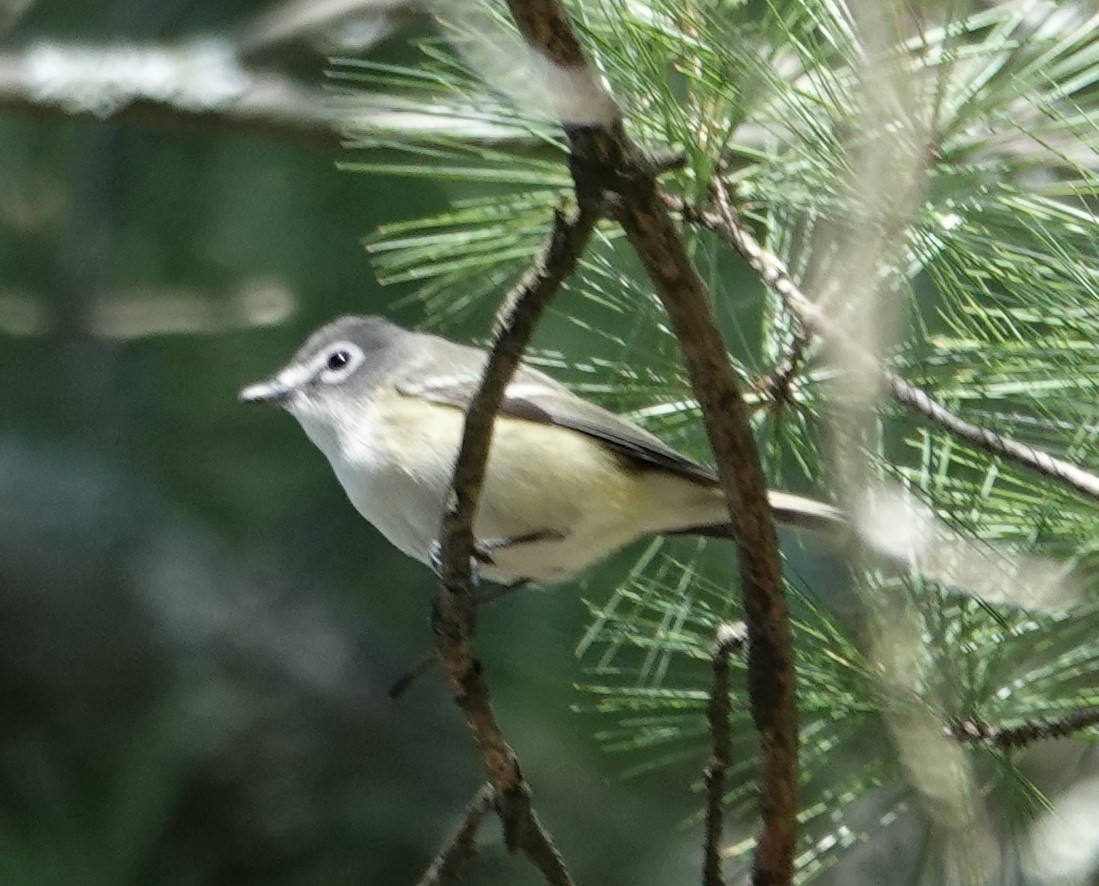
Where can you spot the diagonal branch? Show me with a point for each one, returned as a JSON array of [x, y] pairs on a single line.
[[776, 384], [603, 156], [1030, 457], [455, 606], [724, 220], [771, 675], [1011, 738], [460, 847]]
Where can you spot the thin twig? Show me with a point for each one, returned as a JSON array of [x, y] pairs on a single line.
[[1049, 466], [725, 221], [776, 384], [404, 682], [1011, 738], [730, 638], [455, 604], [460, 847]]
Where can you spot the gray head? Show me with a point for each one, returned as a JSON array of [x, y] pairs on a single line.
[[348, 356]]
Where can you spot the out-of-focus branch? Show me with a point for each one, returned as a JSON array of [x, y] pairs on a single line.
[[730, 639], [603, 156], [1012, 738], [206, 85], [460, 847], [724, 220], [455, 605], [329, 26], [196, 83]]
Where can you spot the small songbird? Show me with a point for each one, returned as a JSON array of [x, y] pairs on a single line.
[[567, 482]]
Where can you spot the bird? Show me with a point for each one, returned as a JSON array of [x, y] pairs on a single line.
[[567, 482]]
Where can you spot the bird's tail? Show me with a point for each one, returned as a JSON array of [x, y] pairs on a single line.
[[789, 510], [911, 539]]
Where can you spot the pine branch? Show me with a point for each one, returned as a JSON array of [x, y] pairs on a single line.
[[776, 384], [771, 674], [1012, 738], [455, 605], [724, 220]]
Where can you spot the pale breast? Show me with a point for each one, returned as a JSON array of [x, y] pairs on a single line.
[[396, 462], [374, 462]]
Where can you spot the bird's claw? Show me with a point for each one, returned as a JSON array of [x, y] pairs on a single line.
[[480, 557]]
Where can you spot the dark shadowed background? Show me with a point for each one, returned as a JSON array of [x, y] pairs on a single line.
[[196, 629]]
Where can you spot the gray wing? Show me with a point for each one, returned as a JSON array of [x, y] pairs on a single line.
[[534, 396]]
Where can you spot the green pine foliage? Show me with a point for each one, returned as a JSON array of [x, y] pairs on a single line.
[[997, 269]]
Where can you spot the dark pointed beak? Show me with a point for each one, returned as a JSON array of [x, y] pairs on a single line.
[[269, 390]]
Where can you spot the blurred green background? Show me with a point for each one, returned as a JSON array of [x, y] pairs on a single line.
[[196, 630]]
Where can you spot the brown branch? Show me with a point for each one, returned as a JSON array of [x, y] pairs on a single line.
[[460, 847], [771, 674], [1011, 738], [730, 638], [455, 605], [604, 157], [776, 384], [725, 221]]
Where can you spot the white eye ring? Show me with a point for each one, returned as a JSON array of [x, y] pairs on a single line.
[[338, 361]]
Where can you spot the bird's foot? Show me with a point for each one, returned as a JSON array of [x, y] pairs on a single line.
[[484, 550], [481, 556]]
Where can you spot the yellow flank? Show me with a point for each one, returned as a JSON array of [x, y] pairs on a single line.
[[589, 490]]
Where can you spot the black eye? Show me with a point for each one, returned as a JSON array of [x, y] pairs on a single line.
[[337, 360]]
